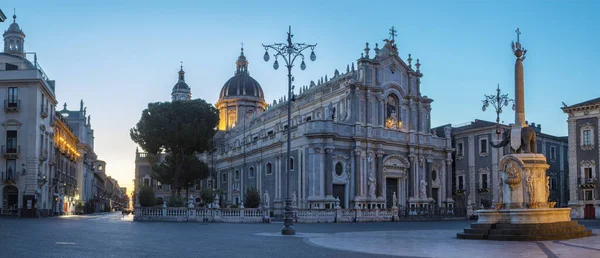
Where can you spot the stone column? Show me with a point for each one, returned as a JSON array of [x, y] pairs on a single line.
[[328, 172], [519, 91], [428, 178], [379, 174], [413, 177], [357, 177], [449, 179]]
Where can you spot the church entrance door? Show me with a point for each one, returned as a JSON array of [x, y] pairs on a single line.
[[589, 212], [339, 191], [434, 195], [391, 186]]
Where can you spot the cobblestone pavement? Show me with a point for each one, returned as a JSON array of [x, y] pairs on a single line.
[[111, 235]]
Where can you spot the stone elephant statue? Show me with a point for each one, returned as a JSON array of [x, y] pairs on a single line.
[[528, 141]]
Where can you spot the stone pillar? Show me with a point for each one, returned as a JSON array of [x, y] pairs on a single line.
[[357, 177], [449, 180], [428, 179], [519, 92], [328, 172], [413, 177], [379, 174]]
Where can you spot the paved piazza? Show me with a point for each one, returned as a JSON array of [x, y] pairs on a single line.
[[109, 235]]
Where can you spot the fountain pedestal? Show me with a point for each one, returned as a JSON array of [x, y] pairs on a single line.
[[524, 212]]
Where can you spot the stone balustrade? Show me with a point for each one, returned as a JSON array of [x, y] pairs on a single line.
[[261, 215]]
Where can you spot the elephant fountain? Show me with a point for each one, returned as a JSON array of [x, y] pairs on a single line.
[[528, 141]]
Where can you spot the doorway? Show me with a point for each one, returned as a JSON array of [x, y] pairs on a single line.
[[10, 200], [434, 195], [339, 191], [391, 187], [589, 212]]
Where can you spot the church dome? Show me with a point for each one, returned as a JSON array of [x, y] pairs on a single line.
[[14, 28], [181, 85], [181, 91], [241, 84]]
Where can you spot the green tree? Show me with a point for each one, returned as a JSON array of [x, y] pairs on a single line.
[[207, 195], [194, 170], [252, 198], [147, 197], [180, 128]]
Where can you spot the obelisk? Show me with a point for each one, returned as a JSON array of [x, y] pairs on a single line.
[[519, 83]]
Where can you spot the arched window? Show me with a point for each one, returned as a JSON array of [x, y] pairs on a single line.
[[224, 178], [251, 172], [269, 168], [291, 163], [237, 175]]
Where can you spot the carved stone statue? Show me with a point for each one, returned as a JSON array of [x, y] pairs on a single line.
[[371, 185], [294, 199], [395, 200], [530, 187], [266, 199], [423, 189], [500, 193], [470, 200], [528, 141], [447, 131]]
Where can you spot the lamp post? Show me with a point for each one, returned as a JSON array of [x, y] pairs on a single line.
[[497, 101], [289, 52]]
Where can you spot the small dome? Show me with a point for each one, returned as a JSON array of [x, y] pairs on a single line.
[[181, 85], [14, 28]]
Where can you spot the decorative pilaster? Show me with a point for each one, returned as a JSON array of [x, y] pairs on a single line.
[[428, 179], [357, 169], [379, 173], [328, 172], [448, 173]]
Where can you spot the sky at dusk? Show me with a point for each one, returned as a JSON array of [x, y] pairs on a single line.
[[119, 55]]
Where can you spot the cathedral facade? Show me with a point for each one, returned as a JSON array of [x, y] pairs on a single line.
[[361, 138]]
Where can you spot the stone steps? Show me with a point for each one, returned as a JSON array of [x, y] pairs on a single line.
[[536, 226], [525, 232], [544, 231], [585, 233]]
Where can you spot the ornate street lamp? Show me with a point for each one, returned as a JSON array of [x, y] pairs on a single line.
[[289, 52], [497, 101]]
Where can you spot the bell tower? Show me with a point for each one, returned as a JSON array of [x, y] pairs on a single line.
[[14, 39]]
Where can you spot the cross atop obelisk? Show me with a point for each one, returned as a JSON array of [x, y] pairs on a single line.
[[518, 34]]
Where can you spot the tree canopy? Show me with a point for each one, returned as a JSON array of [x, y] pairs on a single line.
[[193, 170], [179, 128]]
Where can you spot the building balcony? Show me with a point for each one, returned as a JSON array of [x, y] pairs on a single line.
[[12, 105], [44, 112], [9, 177], [11, 152], [588, 183], [44, 155]]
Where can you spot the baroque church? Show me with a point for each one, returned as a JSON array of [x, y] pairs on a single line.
[[362, 139]]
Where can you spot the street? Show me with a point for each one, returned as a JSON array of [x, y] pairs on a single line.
[[110, 235]]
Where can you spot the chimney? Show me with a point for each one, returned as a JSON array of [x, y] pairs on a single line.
[[532, 124]]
